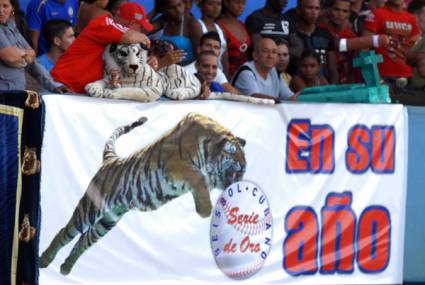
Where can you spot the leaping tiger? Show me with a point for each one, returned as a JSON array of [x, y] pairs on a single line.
[[196, 156], [140, 82]]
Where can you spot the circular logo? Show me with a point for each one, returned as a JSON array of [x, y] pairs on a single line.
[[243, 47], [241, 230]]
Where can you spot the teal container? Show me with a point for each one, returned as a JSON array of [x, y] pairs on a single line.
[[371, 92]]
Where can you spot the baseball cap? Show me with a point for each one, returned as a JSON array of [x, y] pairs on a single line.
[[135, 12]]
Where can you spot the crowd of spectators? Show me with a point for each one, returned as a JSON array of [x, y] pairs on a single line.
[[275, 53]]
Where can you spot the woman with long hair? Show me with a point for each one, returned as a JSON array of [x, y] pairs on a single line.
[[238, 39]]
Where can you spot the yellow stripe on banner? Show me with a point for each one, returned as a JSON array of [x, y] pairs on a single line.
[[19, 113]]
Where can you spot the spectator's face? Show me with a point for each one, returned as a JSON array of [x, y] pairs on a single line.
[[187, 6], [309, 68], [396, 2], [235, 7], [420, 18], [67, 39], [309, 11], [207, 67], [339, 13], [282, 57], [266, 53], [377, 3], [174, 9], [211, 45], [278, 5], [114, 8], [102, 3], [211, 8], [6, 10]]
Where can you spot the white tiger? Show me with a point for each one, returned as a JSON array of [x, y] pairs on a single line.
[[140, 82]]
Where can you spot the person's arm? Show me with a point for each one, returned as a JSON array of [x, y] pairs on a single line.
[[195, 36], [229, 88], [421, 68], [13, 56], [34, 22], [29, 55], [36, 70], [34, 37], [332, 67], [253, 25], [297, 84], [225, 62], [284, 92]]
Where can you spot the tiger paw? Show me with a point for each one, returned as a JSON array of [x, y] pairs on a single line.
[[94, 90], [109, 93]]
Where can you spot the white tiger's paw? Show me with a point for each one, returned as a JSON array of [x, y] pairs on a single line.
[[94, 90], [109, 93]]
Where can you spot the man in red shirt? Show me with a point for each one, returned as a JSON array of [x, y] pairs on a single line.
[[339, 26], [82, 62], [394, 21]]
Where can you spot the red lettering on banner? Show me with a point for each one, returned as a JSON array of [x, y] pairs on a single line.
[[357, 157], [241, 219], [373, 148], [338, 232], [310, 148], [229, 247], [300, 246], [338, 244], [374, 237], [246, 245], [322, 159], [383, 149], [298, 141]]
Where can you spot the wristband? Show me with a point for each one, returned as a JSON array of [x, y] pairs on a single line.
[[343, 45], [375, 40]]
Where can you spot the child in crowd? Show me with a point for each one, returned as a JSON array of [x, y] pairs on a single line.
[[283, 61], [308, 73]]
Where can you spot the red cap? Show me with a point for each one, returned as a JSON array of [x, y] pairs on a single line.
[[134, 12]]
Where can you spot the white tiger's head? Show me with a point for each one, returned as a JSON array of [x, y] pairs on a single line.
[[131, 58]]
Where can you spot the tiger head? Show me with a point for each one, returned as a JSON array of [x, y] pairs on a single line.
[[131, 58], [228, 164]]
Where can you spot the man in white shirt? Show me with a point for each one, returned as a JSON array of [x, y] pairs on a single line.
[[259, 77], [211, 42]]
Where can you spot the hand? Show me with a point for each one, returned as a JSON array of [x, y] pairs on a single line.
[[145, 40], [384, 40], [61, 89], [294, 97], [29, 55], [205, 91], [153, 62], [172, 57]]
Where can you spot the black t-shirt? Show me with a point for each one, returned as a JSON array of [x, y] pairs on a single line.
[[267, 26], [321, 41]]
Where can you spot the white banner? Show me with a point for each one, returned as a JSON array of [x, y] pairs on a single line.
[[318, 198]]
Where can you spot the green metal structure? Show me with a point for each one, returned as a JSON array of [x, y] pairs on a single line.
[[371, 92]]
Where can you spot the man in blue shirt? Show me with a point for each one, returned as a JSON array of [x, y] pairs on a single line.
[[41, 11], [59, 35]]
